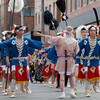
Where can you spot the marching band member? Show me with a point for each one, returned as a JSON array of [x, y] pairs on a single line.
[[90, 71], [19, 45]]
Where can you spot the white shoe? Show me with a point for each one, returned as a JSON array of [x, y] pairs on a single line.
[[28, 91], [87, 94], [12, 95], [96, 89], [62, 95], [0, 85], [72, 93], [7, 91], [3, 91], [45, 84]]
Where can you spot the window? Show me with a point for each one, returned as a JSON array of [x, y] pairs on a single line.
[[78, 4], [25, 2], [68, 6], [89, 1], [73, 5], [32, 11], [83, 3], [29, 11]]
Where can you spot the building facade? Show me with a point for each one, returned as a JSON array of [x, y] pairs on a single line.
[[28, 16], [80, 12], [48, 5], [2, 16]]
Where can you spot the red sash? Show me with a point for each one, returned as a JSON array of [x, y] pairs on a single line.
[[21, 74], [93, 73], [81, 72], [46, 71]]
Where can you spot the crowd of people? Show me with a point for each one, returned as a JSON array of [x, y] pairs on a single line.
[[62, 57]]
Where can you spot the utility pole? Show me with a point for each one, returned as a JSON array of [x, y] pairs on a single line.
[[22, 17], [22, 12], [42, 18], [13, 14]]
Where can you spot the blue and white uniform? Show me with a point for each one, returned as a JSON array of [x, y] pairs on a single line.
[[14, 52]]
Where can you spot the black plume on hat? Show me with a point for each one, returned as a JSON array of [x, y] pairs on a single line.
[[83, 29], [54, 24], [17, 27], [47, 17], [13, 35], [8, 33], [61, 5]]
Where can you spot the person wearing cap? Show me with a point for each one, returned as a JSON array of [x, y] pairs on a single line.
[[79, 75], [66, 47], [52, 55], [46, 73], [19, 53], [7, 35], [84, 33], [91, 58]]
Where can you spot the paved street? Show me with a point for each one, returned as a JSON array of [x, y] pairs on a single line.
[[40, 92]]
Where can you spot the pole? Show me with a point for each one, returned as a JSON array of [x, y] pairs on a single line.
[[10, 18], [42, 18], [13, 14], [7, 79], [22, 18]]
